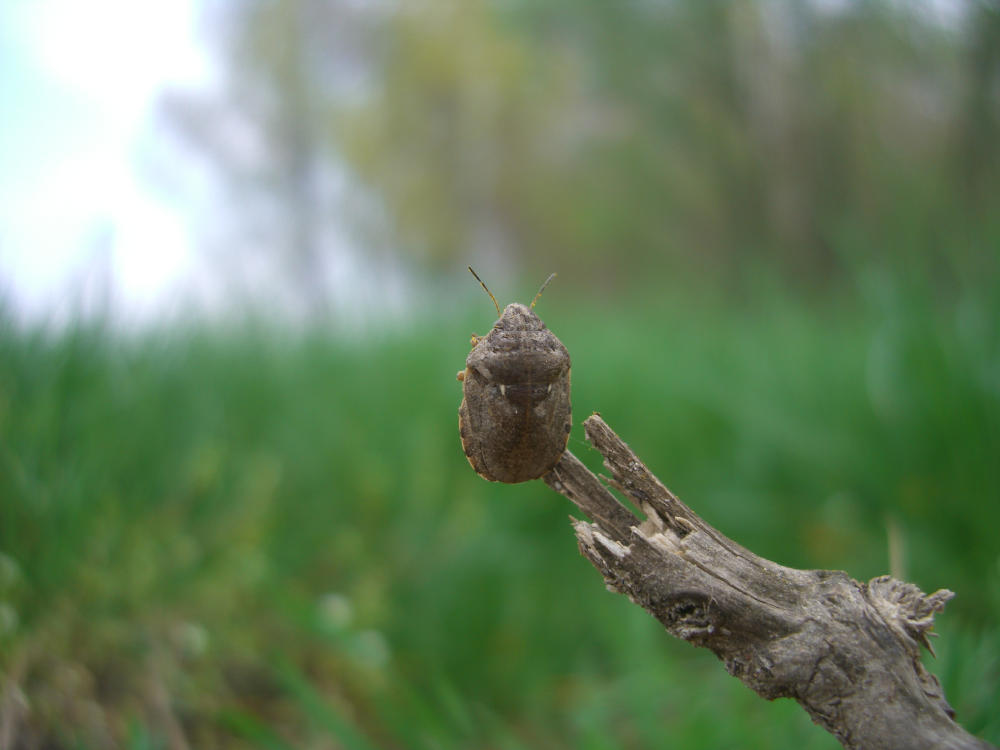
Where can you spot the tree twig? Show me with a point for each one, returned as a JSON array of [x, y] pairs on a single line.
[[848, 652]]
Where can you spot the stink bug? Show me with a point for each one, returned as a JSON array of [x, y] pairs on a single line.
[[515, 414]]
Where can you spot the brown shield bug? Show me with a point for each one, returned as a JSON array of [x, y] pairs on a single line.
[[515, 414]]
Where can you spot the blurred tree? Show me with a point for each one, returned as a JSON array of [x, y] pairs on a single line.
[[283, 64], [784, 132], [461, 123], [979, 155], [629, 140]]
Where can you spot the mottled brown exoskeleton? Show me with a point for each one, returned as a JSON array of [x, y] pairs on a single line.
[[515, 414]]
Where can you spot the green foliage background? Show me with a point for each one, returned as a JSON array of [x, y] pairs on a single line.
[[282, 533], [777, 240]]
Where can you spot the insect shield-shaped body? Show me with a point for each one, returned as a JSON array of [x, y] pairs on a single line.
[[515, 414]]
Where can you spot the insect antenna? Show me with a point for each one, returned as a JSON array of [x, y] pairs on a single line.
[[495, 304], [551, 276]]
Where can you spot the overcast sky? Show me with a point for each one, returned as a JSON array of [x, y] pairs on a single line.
[[77, 82]]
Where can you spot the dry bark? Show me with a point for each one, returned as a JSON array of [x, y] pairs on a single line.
[[849, 652]]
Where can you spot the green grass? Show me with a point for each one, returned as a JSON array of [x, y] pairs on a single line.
[[266, 539]]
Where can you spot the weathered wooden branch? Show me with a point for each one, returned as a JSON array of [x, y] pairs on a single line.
[[849, 652]]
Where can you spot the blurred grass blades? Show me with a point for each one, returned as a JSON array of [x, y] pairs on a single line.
[[320, 710], [210, 493], [255, 731]]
